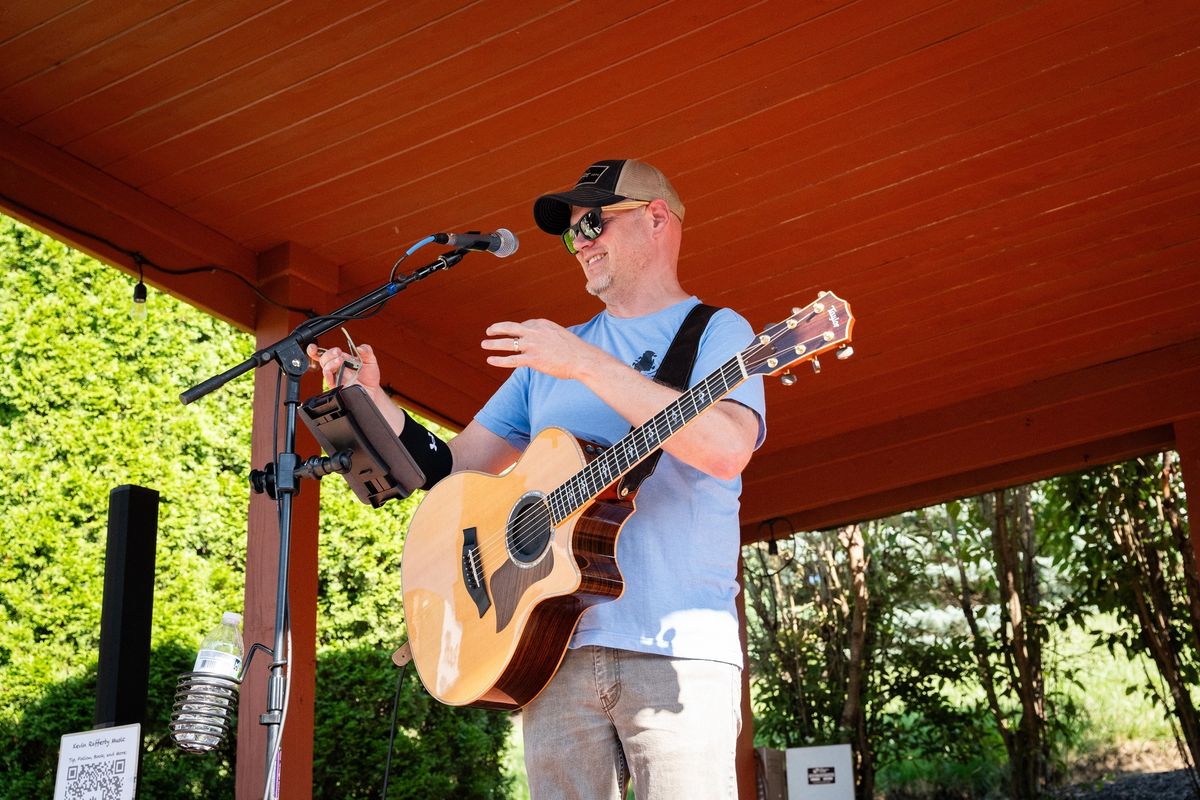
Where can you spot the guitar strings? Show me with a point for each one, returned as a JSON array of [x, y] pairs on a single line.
[[526, 534]]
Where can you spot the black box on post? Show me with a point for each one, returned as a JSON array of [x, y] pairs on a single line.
[[124, 669]]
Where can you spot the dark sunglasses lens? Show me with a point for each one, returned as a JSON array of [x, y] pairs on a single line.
[[589, 227]]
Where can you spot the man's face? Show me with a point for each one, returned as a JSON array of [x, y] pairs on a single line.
[[619, 248]]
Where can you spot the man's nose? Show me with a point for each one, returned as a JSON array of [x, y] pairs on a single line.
[[581, 242]]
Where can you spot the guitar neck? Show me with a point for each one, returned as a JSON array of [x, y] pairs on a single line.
[[587, 484], [821, 326]]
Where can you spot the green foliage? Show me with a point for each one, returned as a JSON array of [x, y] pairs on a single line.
[[928, 723], [89, 401], [919, 660], [1136, 501], [440, 752], [1127, 552], [918, 710], [358, 570]]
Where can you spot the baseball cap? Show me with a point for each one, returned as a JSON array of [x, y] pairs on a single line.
[[602, 184]]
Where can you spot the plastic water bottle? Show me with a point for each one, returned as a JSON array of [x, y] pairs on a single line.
[[206, 697], [221, 650]]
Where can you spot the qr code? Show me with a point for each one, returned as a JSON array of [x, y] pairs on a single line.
[[97, 780]]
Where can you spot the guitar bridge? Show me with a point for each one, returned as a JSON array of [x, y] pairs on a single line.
[[472, 572]]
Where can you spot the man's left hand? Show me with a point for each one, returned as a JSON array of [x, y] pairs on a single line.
[[541, 345]]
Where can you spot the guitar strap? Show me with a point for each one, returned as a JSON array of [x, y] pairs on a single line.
[[675, 370]]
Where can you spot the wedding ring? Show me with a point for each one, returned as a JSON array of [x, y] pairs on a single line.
[[516, 344]]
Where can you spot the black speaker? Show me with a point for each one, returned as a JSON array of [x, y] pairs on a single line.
[[128, 606]]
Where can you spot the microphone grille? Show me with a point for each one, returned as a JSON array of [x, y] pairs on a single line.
[[508, 243]]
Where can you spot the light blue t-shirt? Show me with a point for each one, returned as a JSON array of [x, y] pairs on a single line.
[[679, 550]]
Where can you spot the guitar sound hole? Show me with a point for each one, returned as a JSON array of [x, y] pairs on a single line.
[[528, 529]]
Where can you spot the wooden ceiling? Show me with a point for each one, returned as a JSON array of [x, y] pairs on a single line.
[[1006, 193]]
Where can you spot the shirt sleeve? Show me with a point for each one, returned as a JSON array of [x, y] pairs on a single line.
[[506, 414], [727, 334]]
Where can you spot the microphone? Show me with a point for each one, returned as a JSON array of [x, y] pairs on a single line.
[[503, 242]]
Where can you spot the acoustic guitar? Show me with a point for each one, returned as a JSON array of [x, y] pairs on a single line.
[[497, 569]]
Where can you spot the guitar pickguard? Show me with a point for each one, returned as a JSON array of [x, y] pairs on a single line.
[[510, 582]]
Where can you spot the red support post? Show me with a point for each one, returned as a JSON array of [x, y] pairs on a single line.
[[1187, 444], [287, 264], [746, 772]]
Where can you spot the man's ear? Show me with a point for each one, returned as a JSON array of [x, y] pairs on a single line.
[[660, 213]]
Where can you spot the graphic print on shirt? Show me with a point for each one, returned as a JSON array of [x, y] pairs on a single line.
[[645, 362]]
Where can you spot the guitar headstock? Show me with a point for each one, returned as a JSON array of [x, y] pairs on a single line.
[[819, 327]]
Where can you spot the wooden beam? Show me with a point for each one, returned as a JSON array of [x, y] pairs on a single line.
[[262, 555], [1103, 413], [965, 484], [72, 201]]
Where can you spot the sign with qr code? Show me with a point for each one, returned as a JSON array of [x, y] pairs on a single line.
[[98, 765]]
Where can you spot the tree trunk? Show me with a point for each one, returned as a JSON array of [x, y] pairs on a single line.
[[1018, 587], [978, 642], [853, 720], [1174, 522], [1153, 606]]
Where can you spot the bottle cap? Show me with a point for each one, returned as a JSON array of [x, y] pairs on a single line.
[[231, 618]]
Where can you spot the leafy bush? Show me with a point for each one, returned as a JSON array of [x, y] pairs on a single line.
[[89, 401]]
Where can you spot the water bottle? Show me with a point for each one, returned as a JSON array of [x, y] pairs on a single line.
[[206, 697], [221, 650]]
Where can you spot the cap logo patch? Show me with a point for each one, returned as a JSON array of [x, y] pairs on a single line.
[[592, 174]]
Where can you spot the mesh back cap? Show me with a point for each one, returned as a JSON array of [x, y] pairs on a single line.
[[602, 184]]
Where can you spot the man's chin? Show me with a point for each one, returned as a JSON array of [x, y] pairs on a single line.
[[599, 288]]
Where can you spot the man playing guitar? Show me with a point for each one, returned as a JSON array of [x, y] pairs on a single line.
[[650, 687]]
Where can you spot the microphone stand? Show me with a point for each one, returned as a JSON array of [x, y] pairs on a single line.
[[289, 353]]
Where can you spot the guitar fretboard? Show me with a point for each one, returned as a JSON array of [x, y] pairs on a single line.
[[587, 484]]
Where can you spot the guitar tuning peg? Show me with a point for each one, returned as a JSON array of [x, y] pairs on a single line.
[[816, 364], [787, 378], [844, 352]]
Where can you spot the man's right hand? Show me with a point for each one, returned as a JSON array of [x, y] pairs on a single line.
[[330, 361]]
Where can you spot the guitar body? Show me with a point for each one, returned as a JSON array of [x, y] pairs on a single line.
[[492, 590]]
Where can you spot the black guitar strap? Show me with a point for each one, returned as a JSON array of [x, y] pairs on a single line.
[[675, 370]]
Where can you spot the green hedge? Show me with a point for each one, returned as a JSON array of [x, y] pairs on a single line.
[[89, 401]]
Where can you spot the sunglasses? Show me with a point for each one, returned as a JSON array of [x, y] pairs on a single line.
[[591, 224]]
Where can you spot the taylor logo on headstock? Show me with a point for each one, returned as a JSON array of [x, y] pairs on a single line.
[[806, 334]]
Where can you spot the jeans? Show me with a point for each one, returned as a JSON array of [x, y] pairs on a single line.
[[609, 715]]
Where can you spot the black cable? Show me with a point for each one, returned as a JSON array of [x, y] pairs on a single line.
[[387, 768], [140, 260], [275, 415]]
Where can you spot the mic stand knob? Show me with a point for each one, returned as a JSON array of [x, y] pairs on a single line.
[[263, 480]]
